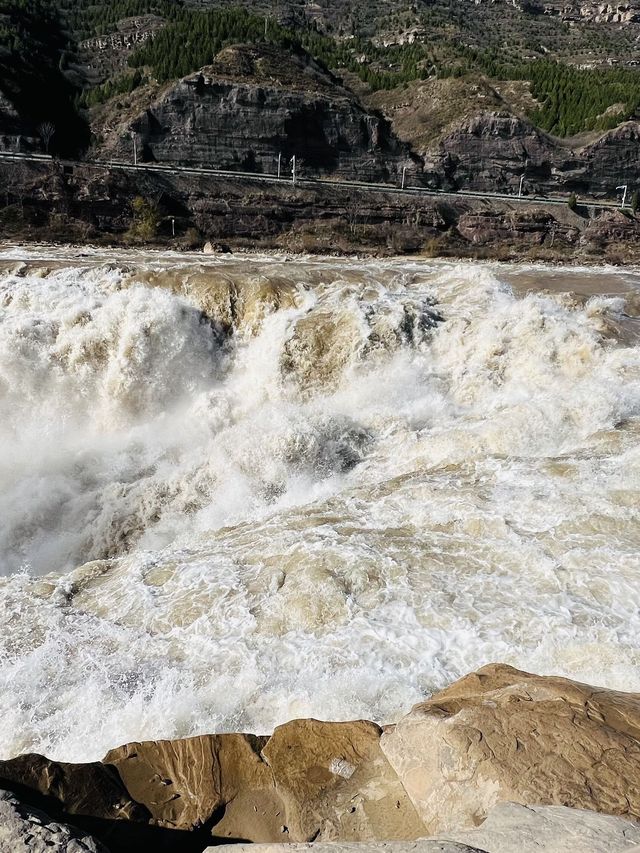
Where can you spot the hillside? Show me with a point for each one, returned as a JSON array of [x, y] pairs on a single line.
[[251, 105], [433, 70]]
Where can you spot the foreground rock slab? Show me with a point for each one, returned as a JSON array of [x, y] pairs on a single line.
[[308, 780], [504, 735], [25, 830], [509, 828], [496, 736], [512, 828], [422, 846]]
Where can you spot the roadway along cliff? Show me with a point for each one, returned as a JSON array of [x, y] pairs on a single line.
[[48, 200]]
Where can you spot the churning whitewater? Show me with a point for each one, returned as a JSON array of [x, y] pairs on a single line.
[[243, 490]]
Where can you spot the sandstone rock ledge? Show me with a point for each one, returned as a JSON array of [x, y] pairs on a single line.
[[504, 735], [496, 736]]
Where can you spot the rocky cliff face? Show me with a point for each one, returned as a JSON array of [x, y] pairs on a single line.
[[48, 201], [491, 151], [256, 102]]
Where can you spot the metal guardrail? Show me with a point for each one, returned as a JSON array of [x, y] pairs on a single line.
[[261, 177]]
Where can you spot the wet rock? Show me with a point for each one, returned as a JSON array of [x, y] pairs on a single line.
[[504, 735], [27, 830]]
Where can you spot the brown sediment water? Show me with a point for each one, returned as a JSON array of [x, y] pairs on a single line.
[[241, 489]]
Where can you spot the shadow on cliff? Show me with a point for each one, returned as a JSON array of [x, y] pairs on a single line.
[[32, 76]]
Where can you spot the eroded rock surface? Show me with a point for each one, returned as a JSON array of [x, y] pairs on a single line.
[[504, 735], [308, 780], [496, 736]]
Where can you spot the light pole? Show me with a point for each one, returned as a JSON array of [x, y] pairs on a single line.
[[173, 226], [135, 148], [624, 194], [524, 172], [404, 175], [293, 169], [279, 162]]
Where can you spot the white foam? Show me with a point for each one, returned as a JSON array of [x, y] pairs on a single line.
[[332, 517]]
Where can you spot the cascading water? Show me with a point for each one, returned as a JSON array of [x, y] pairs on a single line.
[[240, 492]]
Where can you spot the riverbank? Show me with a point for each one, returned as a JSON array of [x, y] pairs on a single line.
[[496, 736], [51, 203]]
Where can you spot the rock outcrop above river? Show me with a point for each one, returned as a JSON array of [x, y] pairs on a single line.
[[504, 735], [491, 151], [496, 736], [308, 780], [58, 203], [253, 103]]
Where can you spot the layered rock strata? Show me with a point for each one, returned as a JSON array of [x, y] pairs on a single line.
[[84, 203], [492, 151], [255, 103]]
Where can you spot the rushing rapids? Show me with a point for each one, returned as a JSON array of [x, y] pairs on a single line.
[[250, 489]]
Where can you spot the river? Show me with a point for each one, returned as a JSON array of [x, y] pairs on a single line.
[[241, 489]]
